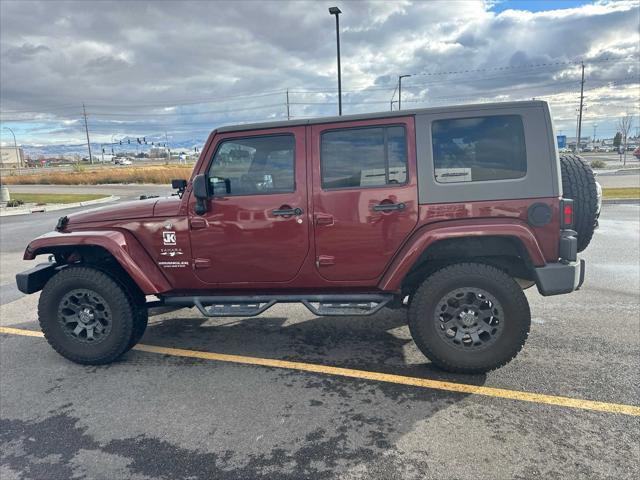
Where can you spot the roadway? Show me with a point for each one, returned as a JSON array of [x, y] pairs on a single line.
[[179, 414]]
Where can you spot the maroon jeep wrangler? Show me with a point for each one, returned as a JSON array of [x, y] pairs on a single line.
[[446, 212]]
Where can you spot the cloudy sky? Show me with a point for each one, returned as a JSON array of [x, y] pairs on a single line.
[[146, 68]]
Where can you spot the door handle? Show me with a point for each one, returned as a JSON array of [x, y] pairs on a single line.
[[287, 212], [389, 207]]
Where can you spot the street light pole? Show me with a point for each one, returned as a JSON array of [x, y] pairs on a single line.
[[400, 90], [15, 145], [336, 11]]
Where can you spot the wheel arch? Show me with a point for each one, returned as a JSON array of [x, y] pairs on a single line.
[[510, 246], [131, 260]]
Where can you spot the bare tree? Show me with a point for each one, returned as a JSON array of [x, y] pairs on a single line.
[[624, 126]]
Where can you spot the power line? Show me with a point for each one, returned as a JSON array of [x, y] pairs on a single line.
[[226, 98]]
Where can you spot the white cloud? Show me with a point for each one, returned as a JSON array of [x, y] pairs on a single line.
[[135, 63]]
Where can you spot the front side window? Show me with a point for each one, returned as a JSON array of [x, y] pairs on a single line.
[[363, 157], [479, 149], [254, 165]]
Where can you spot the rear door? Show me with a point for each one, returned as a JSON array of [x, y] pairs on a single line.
[[365, 200], [256, 227]]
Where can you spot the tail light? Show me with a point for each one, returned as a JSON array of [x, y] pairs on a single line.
[[566, 213]]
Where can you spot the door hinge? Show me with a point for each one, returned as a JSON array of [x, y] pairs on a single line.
[[198, 223], [324, 219], [201, 262], [325, 260]]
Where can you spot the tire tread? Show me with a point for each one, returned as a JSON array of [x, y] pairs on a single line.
[[579, 184]]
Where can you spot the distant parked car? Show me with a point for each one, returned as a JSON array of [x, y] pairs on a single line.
[[122, 161], [636, 153]]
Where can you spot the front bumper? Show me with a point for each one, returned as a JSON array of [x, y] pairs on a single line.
[[559, 278], [34, 279]]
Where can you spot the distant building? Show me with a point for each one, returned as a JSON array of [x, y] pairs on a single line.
[[584, 141], [158, 152], [8, 157]]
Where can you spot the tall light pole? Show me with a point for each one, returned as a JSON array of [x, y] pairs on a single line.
[[336, 11], [15, 145], [400, 90]]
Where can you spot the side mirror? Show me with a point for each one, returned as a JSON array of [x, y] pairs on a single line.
[[180, 185], [201, 192]]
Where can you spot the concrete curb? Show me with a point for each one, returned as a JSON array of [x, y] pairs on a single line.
[[621, 201], [616, 171], [53, 207]]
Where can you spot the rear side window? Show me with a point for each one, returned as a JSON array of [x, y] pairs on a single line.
[[253, 166], [479, 149], [363, 157]]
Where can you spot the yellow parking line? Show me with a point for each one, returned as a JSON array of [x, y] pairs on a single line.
[[20, 331], [380, 377]]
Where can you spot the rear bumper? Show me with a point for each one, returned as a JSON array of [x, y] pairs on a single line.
[[559, 278]]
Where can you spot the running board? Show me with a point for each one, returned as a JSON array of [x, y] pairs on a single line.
[[251, 305]]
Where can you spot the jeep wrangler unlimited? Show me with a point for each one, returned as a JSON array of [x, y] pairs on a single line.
[[446, 212]]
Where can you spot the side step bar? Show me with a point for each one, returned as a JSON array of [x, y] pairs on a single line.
[[252, 305]]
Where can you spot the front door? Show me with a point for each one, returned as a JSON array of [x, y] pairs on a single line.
[[256, 227], [365, 196]]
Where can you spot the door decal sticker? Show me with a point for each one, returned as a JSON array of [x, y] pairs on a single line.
[[169, 238]]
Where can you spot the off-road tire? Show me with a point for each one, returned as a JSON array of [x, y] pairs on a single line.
[[139, 326], [579, 184], [123, 314], [424, 325]]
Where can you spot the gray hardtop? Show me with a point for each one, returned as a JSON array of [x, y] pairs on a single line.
[[374, 115]]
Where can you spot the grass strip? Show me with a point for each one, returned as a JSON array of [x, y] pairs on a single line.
[[56, 197], [632, 192], [158, 174]]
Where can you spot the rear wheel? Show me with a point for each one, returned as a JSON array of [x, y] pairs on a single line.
[[469, 318], [579, 184], [86, 316]]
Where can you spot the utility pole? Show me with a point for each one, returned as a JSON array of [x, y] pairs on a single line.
[[166, 140], [288, 114], [86, 128], [595, 127], [400, 90], [580, 114]]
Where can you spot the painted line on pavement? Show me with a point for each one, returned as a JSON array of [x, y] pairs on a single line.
[[531, 397]]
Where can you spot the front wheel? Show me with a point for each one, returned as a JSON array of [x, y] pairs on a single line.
[[469, 318], [86, 316]]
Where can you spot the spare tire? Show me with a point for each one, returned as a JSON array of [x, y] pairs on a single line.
[[579, 184]]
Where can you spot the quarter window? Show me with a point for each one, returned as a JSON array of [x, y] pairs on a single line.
[[363, 157], [254, 165], [479, 149]]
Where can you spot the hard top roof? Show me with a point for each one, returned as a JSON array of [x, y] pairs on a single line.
[[367, 116]]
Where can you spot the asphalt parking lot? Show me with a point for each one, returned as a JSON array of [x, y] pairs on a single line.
[[175, 412]]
